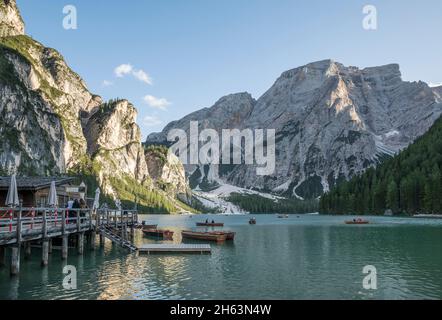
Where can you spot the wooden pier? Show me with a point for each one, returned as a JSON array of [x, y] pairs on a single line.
[[21, 228], [175, 248]]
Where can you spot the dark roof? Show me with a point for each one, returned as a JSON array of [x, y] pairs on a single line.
[[34, 183]]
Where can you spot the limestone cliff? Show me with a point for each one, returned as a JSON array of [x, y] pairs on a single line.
[[331, 121], [167, 171], [51, 124]]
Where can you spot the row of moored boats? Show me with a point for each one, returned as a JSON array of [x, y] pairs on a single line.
[[152, 231]]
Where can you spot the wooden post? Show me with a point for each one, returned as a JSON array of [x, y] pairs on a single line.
[[45, 225], [28, 252], [116, 219], [45, 252], [15, 256], [15, 260], [102, 239], [2, 256], [64, 249], [80, 243], [92, 240], [63, 222], [19, 226], [122, 224], [90, 219], [78, 220]]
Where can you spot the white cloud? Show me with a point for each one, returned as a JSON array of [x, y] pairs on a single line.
[[433, 85], [151, 121], [107, 83], [158, 103], [122, 70], [125, 69], [142, 76]]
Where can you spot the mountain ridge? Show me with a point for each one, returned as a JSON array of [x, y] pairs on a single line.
[[331, 123]]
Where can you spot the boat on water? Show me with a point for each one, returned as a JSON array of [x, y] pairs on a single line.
[[209, 224], [357, 221], [158, 234], [218, 237], [283, 216], [230, 235], [252, 221], [149, 226], [145, 225]]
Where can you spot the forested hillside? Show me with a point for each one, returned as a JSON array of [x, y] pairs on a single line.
[[409, 183]]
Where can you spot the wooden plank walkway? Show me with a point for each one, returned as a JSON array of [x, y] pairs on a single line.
[[175, 248]]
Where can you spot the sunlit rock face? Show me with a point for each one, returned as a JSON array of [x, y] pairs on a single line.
[[11, 23], [331, 123], [51, 124]]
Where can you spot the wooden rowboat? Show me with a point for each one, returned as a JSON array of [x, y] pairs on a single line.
[[159, 234], [208, 236], [229, 234], [204, 224], [357, 222], [252, 221], [150, 226]]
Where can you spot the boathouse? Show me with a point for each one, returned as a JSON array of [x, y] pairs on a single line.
[[34, 191]]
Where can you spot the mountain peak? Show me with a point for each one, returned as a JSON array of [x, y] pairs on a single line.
[[11, 22]]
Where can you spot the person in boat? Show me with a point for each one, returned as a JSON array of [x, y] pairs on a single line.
[[207, 221], [213, 221]]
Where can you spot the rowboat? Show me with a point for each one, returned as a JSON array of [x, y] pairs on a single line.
[[205, 224], [208, 236], [252, 221], [160, 234], [229, 234], [283, 216], [150, 226], [357, 222]]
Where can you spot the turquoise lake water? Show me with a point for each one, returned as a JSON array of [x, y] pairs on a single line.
[[303, 257]]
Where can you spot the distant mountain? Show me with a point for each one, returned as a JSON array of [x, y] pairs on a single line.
[[51, 124], [332, 122], [409, 183]]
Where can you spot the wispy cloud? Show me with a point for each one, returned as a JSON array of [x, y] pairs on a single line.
[[123, 70], [157, 103], [142, 76], [433, 85], [107, 83], [127, 69], [151, 121]]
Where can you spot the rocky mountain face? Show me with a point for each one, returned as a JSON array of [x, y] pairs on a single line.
[[168, 172], [332, 122], [11, 23], [51, 124]]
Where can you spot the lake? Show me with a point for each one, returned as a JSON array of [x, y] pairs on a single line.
[[302, 257]]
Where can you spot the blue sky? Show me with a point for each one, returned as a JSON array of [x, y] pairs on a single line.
[[195, 51]]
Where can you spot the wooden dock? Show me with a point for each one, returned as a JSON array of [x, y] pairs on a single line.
[[27, 227], [175, 248]]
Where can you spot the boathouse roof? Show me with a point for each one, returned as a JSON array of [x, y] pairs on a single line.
[[34, 183]]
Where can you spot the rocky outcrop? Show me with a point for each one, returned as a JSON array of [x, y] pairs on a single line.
[[51, 124], [11, 23], [114, 142], [331, 123], [167, 171]]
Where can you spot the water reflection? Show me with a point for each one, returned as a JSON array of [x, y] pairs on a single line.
[[305, 258]]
